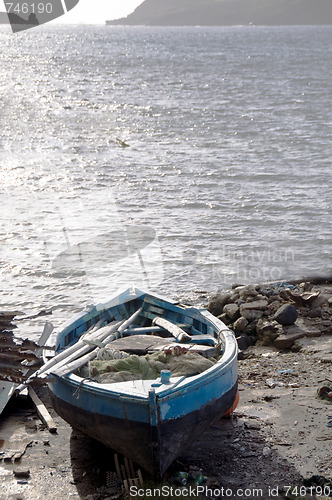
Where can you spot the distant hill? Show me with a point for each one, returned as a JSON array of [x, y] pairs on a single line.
[[15, 19], [229, 12]]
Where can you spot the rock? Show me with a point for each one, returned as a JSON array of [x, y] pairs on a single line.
[[233, 298], [321, 348], [232, 311], [243, 342], [274, 299], [285, 293], [273, 307], [240, 355], [247, 291], [286, 314], [313, 332], [327, 330], [289, 336], [251, 328], [225, 319], [267, 331], [253, 310], [252, 425], [261, 297], [268, 292], [315, 313], [256, 304], [240, 324], [251, 314], [217, 302], [320, 301]]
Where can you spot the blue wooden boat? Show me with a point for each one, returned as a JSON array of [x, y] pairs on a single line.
[[150, 421]]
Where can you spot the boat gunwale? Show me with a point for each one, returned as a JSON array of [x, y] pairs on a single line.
[[188, 383]]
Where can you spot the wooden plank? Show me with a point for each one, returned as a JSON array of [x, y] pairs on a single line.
[[156, 310], [131, 468], [42, 411], [14, 449], [117, 467], [148, 315]]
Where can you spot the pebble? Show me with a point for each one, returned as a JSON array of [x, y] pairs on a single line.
[[266, 451], [21, 473]]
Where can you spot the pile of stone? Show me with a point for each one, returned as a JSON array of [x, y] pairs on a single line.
[[274, 314]]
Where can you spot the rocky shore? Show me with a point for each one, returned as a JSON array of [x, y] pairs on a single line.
[[276, 444], [276, 314]]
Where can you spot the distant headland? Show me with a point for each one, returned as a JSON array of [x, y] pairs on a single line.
[[15, 19], [229, 13]]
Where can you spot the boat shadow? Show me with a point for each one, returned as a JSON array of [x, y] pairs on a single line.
[[235, 454], [91, 464], [230, 454]]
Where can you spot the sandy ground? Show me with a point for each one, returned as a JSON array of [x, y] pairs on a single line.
[[277, 437]]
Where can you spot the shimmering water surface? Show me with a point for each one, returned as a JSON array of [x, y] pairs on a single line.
[[180, 159]]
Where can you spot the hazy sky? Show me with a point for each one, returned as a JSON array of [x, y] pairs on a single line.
[[95, 11]]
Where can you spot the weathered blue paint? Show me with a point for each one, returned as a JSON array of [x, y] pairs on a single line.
[[164, 415]]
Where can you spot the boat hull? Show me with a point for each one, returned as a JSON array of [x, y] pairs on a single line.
[[154, 448], [149, 421]]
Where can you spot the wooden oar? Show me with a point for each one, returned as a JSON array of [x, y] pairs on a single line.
[[67, 367], [88, 345], [69, 351], [70, 354]]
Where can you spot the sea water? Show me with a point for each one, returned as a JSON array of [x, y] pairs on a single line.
[[178, 159]]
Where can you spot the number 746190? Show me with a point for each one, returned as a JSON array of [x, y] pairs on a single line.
[[28, 8]]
